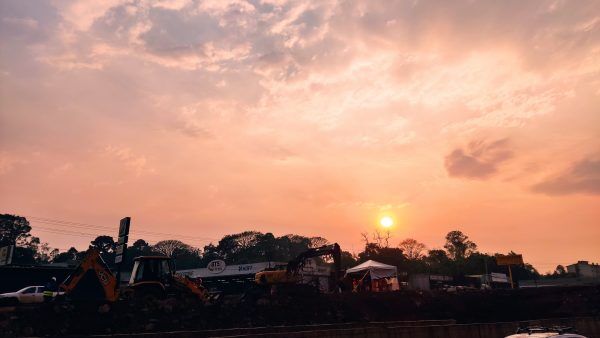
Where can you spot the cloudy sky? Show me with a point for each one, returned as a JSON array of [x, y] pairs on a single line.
[[204, 118]]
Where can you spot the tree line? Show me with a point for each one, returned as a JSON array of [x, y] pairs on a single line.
[[458, 257]]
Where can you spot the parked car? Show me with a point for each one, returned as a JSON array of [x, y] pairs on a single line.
[[546, 332], [27, 295]]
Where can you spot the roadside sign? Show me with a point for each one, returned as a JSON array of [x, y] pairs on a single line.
[[124, 226], [216, 266], [120, 249], [509, 259], [6, 254]]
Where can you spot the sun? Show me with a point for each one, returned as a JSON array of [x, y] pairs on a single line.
[[386, 221]]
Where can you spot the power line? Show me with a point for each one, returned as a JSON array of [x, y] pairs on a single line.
[[39, 228], [89, 226], [64, 233], [100, 230], [107, 228]]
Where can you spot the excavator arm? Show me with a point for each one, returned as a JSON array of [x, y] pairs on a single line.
[[291, 273], [91, 280], [332, 250]]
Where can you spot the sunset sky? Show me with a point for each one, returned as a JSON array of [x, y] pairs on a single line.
[[205, 118]]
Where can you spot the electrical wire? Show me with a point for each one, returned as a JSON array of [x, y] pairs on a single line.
[[93, 226], [89, 226]]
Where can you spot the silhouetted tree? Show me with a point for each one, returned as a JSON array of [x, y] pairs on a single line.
[[139, 248], [438, 262], [141, 245], [522, 272], [106, 245], [412, 249], [69, 256], [382, 240], [45, 254], [170, 246], [348, 260], [386, 255], [254, 246], [458, 245], [14, 230], [210, 253]]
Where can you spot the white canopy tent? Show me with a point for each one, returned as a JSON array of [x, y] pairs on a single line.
[[375, 269]]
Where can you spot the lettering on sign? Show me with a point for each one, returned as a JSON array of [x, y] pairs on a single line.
[[440, 278], [245, 268], [216, 266]]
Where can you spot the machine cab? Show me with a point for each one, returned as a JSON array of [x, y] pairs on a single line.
[[151, 269]]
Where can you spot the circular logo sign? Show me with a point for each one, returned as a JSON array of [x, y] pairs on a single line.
[[103, 277], [216, 266]]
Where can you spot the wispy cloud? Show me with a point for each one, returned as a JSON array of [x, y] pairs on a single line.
[[583, 177], [137, 163]]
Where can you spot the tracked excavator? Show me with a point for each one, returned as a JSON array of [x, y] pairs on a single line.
[[291, 274], [152, 277]]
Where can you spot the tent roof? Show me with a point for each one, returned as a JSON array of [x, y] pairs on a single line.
[[372, 265]]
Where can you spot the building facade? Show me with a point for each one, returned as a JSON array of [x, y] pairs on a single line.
[[584, 269], [217, 276]]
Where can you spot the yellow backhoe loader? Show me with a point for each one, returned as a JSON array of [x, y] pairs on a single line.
[[152, 276]]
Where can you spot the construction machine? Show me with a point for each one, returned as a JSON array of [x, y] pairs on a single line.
[[292, 272], [92, 280], [155, 276], [152, 276]]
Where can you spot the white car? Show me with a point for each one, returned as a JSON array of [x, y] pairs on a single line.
[[542, 332], [545, 335], [30, 294]]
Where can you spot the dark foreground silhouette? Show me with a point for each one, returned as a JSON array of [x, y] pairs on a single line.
[[465, 307]]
